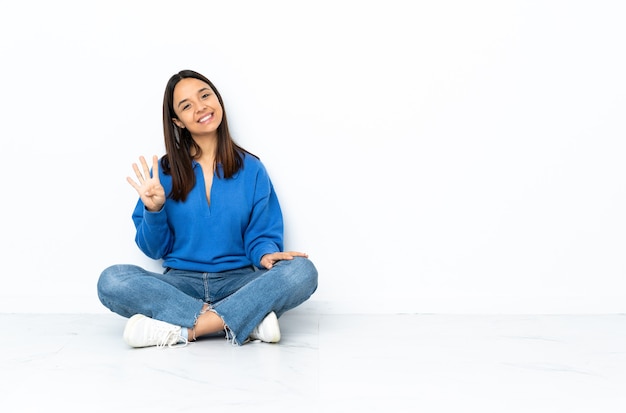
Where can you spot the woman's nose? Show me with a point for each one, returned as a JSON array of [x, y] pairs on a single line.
[[200, 107]]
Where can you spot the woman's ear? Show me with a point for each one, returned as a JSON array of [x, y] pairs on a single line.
[[178, 123]]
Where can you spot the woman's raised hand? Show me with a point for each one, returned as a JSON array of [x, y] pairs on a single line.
[[148, 187]]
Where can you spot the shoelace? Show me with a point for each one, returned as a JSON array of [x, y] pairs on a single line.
[[166, 340]]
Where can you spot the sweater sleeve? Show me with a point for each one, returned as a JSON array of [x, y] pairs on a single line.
[[154, 237], [264, 234]]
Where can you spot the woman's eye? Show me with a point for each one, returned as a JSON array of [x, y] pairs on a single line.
[[206, 95], [186, 107]]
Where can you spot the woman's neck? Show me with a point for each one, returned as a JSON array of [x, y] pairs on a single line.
[[208, 145]]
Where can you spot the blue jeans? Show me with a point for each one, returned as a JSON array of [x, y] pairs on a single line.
[[241, 297]]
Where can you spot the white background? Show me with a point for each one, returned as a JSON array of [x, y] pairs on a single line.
[[430, 156]]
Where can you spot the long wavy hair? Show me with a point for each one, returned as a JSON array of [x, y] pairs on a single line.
[[181, 149]]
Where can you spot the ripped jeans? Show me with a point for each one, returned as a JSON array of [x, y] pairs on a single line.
[[241, 297]]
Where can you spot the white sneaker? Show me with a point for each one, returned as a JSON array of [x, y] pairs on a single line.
[[268, 331], [142, 331]]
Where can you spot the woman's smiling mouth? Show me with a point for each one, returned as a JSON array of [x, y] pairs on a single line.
[[206, 118]]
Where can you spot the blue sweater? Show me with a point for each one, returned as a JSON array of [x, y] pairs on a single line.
[[243, 222]]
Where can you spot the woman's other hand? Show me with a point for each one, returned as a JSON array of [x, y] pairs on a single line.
[[268, 260]]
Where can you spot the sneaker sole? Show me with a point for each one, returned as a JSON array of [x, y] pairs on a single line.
[[274, 337], [129, 326]]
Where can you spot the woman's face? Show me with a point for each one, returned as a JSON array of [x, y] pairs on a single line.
[[197, 107]]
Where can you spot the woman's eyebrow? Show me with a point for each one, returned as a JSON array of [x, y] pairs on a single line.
[[181, 102]]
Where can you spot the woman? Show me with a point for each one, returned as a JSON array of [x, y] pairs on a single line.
[[209, 211]]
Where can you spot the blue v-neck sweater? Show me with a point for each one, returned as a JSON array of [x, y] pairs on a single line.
[[242, 223]]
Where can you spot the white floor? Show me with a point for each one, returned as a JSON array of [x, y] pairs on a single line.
[[324, 363]]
